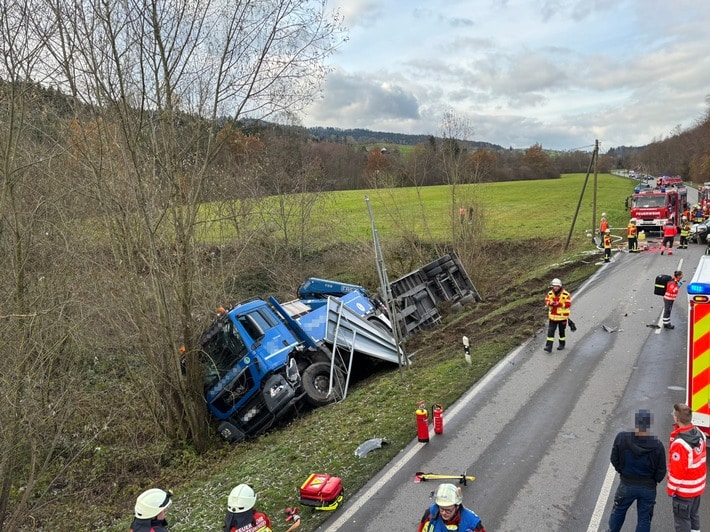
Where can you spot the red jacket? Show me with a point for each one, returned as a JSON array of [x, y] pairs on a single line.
[[669, 230], [686, 462], [672, 289]]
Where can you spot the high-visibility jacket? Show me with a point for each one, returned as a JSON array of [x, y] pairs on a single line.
[[559, 312], [669, 230], [672, 289], [631, 231], [685, 230], [464, 520], [603, 226], [607, 242], [687, 466]]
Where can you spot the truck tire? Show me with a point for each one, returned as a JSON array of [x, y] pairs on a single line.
[[316, 379]]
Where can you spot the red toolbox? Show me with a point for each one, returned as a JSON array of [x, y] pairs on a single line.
[[322, 491]]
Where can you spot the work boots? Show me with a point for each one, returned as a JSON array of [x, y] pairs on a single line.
[[668, 326]]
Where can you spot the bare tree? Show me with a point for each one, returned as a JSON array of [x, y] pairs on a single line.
[[40, 319], [158, 76]]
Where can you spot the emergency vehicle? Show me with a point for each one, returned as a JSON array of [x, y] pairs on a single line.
[[704, 196], [653, 208], [698, 376]]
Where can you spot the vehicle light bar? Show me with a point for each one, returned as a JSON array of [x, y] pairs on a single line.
[[696, 288]]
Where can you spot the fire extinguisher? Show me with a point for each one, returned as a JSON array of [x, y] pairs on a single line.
[[437, 411], [422, 422]]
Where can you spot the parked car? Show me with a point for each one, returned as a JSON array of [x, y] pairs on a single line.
[[699, 232], [642, 187]]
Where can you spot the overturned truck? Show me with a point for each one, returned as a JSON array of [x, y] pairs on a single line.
[[262, 358]]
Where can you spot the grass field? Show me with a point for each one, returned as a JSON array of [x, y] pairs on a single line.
[[510, 210], [383, 405]]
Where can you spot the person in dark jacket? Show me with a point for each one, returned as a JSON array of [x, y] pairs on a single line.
[[150, 510], [640, 460]]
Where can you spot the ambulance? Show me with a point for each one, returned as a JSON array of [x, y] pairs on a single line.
[[698, 378]]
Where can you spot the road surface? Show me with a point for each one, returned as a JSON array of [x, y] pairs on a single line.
[[537, 431]]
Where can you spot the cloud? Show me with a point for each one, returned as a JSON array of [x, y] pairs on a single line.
[[557, 72], [362, 101]]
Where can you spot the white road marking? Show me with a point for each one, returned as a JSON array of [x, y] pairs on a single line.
[[596, 520], [363, 498]]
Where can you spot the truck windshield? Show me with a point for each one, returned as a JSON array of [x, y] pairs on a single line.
[[648, 201], [221, 353]]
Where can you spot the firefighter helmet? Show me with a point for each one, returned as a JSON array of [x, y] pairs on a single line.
[[241, 499], [447, 495], [556, 282], [151, 502]]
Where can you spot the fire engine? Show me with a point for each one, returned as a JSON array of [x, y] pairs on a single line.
[[652, 208], [698, 371], [704, 196]]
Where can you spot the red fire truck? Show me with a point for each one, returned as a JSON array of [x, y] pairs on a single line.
[[704, 196], [698, 376], [652, 208]]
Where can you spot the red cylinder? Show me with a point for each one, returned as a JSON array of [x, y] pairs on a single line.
[[422, 423], [437, 412]]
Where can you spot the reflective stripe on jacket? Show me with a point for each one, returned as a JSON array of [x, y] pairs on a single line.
[[687, 466], [561, 311]]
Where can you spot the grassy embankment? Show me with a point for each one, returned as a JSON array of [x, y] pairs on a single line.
[[515, 215]]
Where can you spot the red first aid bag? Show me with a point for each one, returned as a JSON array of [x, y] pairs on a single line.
[[322, 491]]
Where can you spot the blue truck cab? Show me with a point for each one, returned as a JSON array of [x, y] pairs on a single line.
[[261, 359]]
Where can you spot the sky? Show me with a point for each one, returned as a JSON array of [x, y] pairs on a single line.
[[560, 73]]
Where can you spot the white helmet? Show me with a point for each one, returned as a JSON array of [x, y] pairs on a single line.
[[151, 502], [241, 499], [447, 495], [556, 282], [603, 215]]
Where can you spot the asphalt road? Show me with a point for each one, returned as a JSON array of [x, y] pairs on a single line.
[[537, 431]]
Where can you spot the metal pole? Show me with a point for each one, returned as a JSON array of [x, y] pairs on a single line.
[[581, 195], [386, 289]]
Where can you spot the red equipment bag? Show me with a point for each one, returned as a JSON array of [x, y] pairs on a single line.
[[322, 492]]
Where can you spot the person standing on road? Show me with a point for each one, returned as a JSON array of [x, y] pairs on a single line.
[[640, 460], [607, 247], [558, 302], [672, 289], [150, 510], [449, 514], [632, 236], [687, 469], [241, 515], [684, 233], [669, 232]]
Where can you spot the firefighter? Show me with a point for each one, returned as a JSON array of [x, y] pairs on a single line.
[[698, 213], [607, 247], [241, 514], [669, 231], [150, 510], [632, 236], [603, 225], [684, 233], [558, 301], [449, 513]]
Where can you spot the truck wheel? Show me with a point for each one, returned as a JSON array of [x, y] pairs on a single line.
[[377, 324], [316, 379]]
